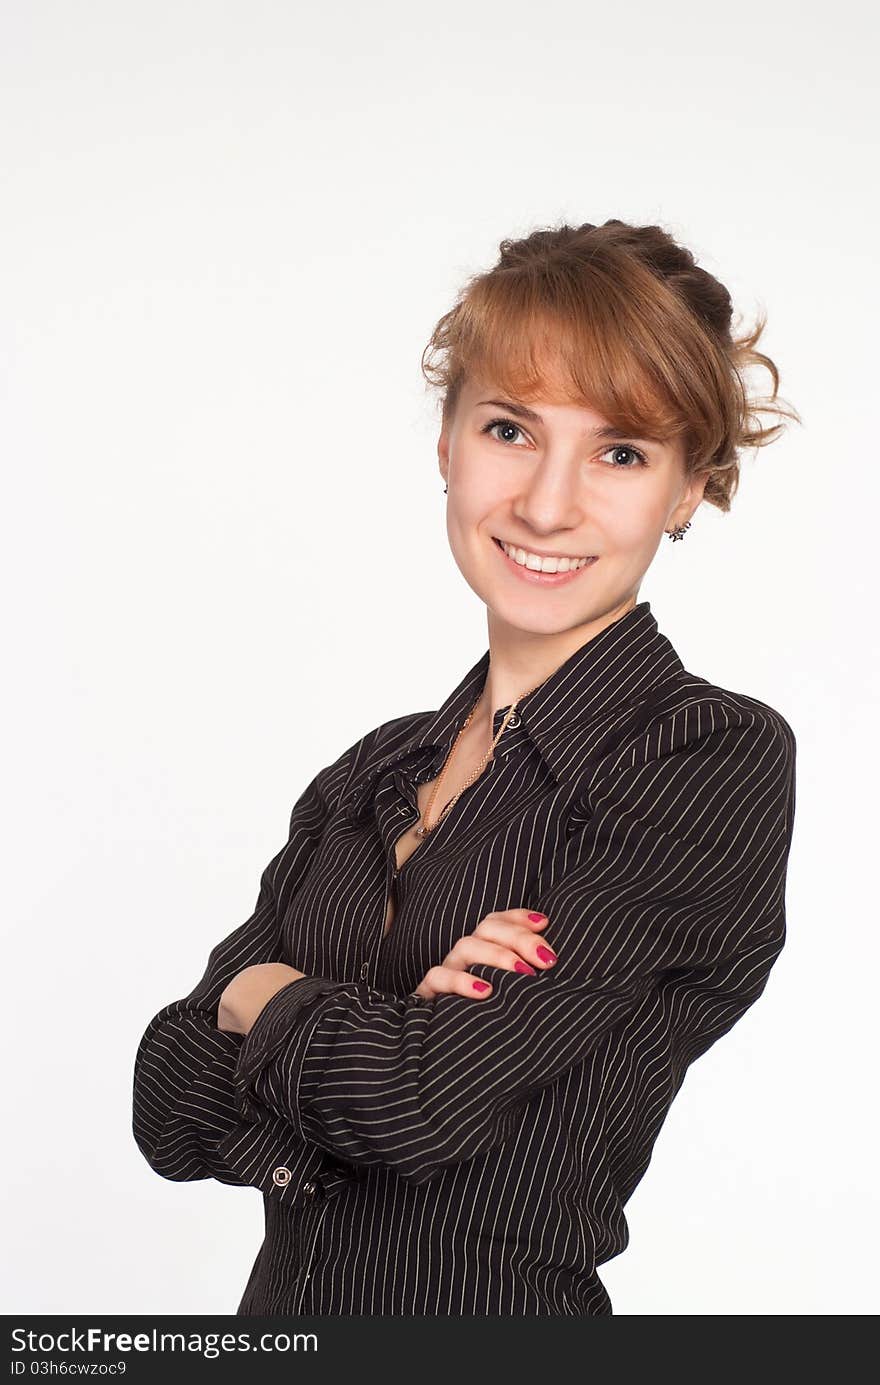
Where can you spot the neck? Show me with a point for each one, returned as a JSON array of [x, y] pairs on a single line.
[[519, 660]]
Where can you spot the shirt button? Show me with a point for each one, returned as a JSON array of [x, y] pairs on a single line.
[[281, 1176], [514, 720], [310, 1189]]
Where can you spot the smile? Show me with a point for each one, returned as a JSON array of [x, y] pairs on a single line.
[[537, 567], [539, 562]]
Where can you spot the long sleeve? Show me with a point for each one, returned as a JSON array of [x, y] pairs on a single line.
[[185, 1119], [671, 877]]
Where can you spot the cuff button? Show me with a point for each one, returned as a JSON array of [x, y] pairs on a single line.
[[281, 1176]]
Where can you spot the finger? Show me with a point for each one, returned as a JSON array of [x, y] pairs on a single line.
[[532, 918], [521, 940], [448, 981], [442, 980], [470, 949]]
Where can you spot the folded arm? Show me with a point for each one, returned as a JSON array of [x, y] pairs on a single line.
[[678, 876], [185, 1118]]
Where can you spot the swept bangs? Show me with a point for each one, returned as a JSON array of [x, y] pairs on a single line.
[[586, 316]]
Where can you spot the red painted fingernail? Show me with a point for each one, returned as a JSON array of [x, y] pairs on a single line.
[[546, 955], [524, 966], [536, 918], [481, 985]]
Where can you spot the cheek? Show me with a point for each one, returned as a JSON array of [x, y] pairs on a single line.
[[634, 517], [474, 501], [635, 530], [466, 531]]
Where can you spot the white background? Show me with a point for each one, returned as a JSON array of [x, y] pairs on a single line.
[[227, 231]]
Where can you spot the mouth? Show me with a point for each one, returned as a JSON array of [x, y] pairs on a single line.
[[539, 569], [542, 569]]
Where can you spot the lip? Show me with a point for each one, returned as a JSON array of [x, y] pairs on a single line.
[[542, 579]]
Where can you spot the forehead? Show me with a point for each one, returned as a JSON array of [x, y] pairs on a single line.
[[549, 407], [547, 403]]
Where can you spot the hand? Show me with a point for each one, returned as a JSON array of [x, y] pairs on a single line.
[[504, 939], [247, 993]]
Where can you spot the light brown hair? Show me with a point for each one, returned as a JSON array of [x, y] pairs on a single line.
[[620, 319]]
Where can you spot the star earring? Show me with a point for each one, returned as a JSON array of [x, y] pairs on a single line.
[[678, 532]]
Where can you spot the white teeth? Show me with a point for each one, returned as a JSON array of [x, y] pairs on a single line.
[[539, 564]]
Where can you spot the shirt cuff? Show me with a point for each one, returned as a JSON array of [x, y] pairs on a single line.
[[282, 1024]]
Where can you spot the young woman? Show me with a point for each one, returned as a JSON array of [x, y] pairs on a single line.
[[445, 1041]]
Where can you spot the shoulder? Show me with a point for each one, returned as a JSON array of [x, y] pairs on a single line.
[[704, 765], [370, 748], [687, 713], [389, 737]]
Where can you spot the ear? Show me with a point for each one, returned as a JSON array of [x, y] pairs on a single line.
[[443, 452], [691, 498]]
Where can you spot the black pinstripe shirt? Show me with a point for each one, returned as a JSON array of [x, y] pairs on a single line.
[[462, 1157]]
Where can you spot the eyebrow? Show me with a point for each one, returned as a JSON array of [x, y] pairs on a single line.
[[520, 411]]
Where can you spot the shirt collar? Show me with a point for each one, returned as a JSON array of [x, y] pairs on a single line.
[[610, 672]]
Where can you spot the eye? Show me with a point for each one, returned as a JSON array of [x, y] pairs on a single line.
[[501, 423], [641, 459]]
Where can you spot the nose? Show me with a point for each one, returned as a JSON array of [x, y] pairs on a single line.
[[550, 498]]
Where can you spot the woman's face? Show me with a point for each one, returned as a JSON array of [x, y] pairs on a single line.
[[551, 485]]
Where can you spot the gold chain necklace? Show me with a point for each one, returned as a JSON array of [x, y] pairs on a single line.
[[422, 828]]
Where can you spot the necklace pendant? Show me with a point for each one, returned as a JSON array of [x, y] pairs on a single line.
[[420, 831]]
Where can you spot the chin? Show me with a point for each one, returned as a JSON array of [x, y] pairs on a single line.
[[531, 619]]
